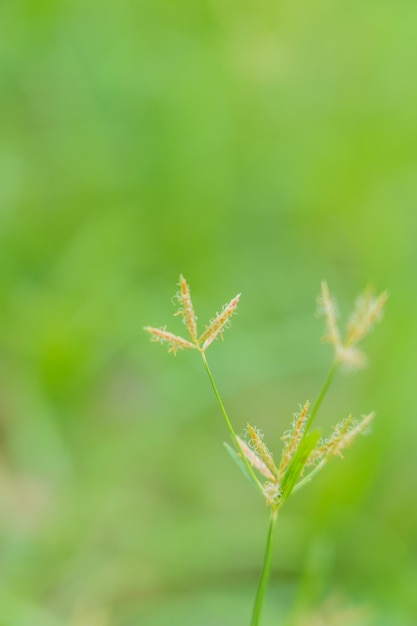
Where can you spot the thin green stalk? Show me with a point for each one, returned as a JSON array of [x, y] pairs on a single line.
[[263, 581], [229, 425], [321, 395]]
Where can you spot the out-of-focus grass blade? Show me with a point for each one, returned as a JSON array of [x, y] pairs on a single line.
[[297, 463]]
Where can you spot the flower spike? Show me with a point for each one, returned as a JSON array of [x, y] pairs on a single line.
[[187, 310], [213, 330], [218, 324], [368, 310], [174, 341], [254, 459], [327, 308]]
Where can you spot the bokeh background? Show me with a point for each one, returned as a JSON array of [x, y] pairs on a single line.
[[256, 147]]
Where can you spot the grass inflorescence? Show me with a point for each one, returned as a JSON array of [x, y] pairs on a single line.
[[304, 451]]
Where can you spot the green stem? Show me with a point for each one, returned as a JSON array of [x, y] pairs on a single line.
[[321, 395], [263, 581], [229, 425]]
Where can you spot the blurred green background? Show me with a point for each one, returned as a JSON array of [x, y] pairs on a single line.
[[256, 148]]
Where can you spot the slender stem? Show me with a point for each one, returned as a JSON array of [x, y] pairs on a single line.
[[229, 424], [321, 395], [263, 581]]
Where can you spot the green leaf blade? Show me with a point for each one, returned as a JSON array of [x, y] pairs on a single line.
[[297, 463], [240, 464]]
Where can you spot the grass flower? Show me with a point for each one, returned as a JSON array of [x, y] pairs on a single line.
[[214, 329], [187, 309], [174, 342], [255, 460], [219, 323], [367, 311], [292, 438]]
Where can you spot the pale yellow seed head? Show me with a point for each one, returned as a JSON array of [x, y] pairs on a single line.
[[327, 308], [174, 341], [341, 438], [257, 445], [218, 324], [293, 437], [368, 310], [254, 460], [187, 309], [360, 428]]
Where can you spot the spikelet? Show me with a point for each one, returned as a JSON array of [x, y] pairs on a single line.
[[254, 460], [330, 446], [187, 309], [342, 437], [360, 427], [217, 325], [293, 437], [327, 308], [174, 341], [257, 445], [368, 310]]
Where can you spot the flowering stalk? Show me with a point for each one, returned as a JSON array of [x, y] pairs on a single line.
[[213, 330], [303, 449], [235, 438]]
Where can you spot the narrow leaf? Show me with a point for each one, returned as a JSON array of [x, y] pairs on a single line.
[[297, 463], [241, 465]]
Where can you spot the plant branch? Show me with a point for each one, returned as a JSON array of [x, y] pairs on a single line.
[[321, 395], [263, 581], [229, 425]]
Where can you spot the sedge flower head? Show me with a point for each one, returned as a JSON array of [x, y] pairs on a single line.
[[213, 330], [260, 458], [367, 311]]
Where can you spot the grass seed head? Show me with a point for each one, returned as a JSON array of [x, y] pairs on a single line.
[[219, 323], [187, 310], [256, 444], [342, 437], [293, 437], [327, 308], [254, 459], [175, 342], [368, 310]]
